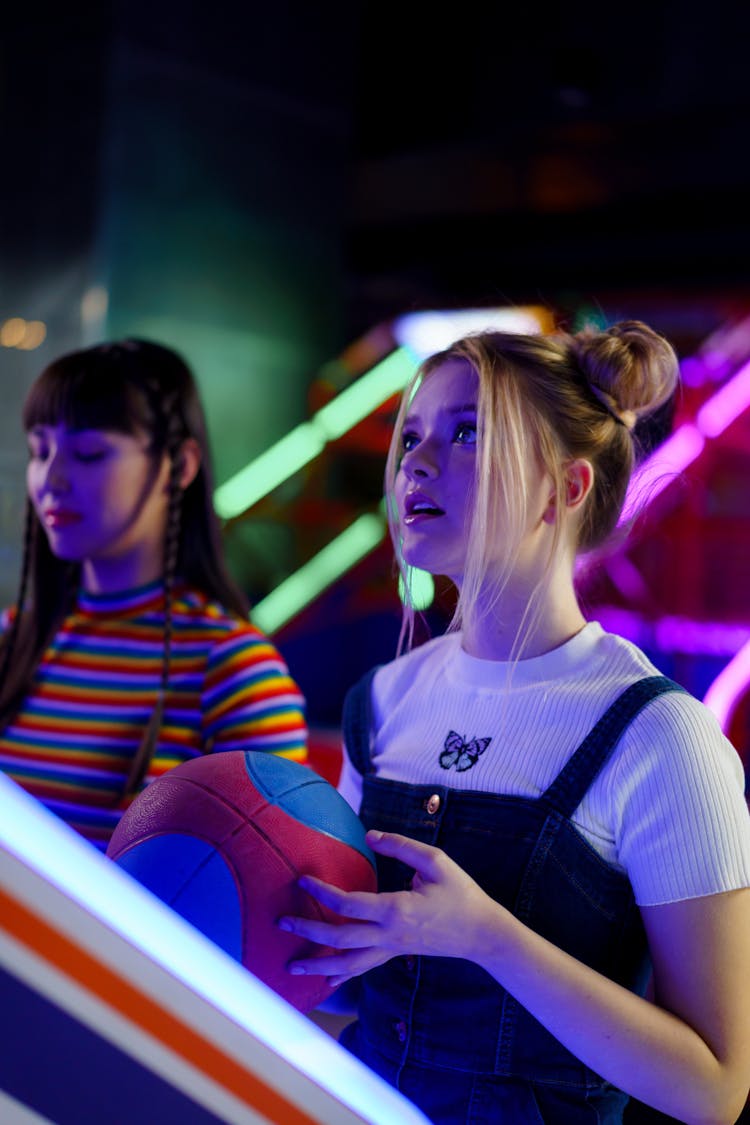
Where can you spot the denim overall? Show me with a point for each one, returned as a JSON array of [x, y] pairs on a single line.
[[441, 1030]]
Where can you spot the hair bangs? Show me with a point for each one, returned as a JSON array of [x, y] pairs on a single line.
[[82, 394]]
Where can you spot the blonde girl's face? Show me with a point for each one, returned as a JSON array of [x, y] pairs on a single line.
[[435, 482]]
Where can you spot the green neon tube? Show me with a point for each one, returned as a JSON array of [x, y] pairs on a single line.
[[308, 440], [296, 591]]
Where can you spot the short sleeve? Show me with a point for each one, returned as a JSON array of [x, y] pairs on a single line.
[[249, 700], [682, 823]]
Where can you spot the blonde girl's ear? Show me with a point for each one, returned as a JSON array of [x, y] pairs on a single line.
[[189, 458], [579, 480]]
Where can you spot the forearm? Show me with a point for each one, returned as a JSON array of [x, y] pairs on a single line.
[[635, 1045], [688, 1056]]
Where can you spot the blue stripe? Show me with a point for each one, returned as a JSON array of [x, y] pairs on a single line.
[[55, 1065]]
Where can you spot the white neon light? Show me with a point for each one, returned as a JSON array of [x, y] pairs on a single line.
[[46, 845], [424, 333]]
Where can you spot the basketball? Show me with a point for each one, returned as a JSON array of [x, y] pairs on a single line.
[[223, 840]]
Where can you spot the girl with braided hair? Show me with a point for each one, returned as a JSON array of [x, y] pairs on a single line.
[[554, 820], [129, 649]]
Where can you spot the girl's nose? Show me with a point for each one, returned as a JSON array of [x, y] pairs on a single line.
[[421, 462], [56, 476]]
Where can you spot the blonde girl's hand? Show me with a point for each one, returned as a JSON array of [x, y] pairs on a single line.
[[444, 913]]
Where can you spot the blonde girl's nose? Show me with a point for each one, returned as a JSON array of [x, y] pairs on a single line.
[[421, 462]]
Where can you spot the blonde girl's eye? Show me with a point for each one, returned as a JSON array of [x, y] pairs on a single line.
[[408, 441], [466, 433]]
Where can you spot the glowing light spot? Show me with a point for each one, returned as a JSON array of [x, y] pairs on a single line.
[[94, 305], [35, 334], [12, 332], [421, 587]]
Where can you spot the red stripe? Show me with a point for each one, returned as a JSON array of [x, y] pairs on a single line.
[[143, 1011]]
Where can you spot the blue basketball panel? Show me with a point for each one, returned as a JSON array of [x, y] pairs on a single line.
[[308, 798], [195, 880]]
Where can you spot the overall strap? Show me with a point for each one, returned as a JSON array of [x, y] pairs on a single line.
[[357, 722], [569, 787]]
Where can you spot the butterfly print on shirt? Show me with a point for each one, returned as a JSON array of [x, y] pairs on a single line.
[[462, 755]]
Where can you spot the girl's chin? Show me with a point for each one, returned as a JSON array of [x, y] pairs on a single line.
[[64, 550]]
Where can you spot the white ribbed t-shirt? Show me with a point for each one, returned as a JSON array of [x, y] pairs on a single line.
[[667, 808]]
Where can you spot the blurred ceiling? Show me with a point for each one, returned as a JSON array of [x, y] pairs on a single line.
[[492, 152], [521, 153]]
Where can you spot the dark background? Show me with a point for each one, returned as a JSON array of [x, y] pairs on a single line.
[[471, 155]]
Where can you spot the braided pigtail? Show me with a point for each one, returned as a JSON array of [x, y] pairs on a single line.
[[147, 747], [23, 586]]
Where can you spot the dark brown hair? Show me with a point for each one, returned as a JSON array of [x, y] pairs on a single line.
[[133, 387]]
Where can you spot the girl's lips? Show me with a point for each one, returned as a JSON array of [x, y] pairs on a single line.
[[420, 508], [418, 516], [417, 504], [61, 518]]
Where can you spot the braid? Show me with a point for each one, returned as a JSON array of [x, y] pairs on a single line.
[[171, 554], [23, 586], [145, 752]]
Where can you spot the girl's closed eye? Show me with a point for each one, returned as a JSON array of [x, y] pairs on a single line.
[[37, 444], [38, 451], [87, 455]]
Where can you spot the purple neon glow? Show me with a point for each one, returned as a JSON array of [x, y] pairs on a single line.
[[680, 450], [729, 686], [659, 470], [675, 634], [726, 405]]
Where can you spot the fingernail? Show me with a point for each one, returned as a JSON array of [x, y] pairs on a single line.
[[373, 834], [285, 924], [296, 970]]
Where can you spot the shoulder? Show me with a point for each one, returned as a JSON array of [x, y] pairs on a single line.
[[684, 728], [674, 732], [230, 639], [678, 788], [195, 608]]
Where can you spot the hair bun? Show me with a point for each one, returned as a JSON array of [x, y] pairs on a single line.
[[631, 369]]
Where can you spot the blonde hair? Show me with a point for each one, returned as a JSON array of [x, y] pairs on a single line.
[[559, 398]]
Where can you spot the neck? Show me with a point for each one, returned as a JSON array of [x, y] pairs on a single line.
[[512, 627], [111, 576]]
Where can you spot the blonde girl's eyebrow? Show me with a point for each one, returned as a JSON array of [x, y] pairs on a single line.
[[466, 408]]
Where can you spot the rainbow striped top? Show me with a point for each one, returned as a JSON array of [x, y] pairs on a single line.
[[72, 741]]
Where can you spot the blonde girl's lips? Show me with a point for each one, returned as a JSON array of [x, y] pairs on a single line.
[[417, 503], [420, 514]]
